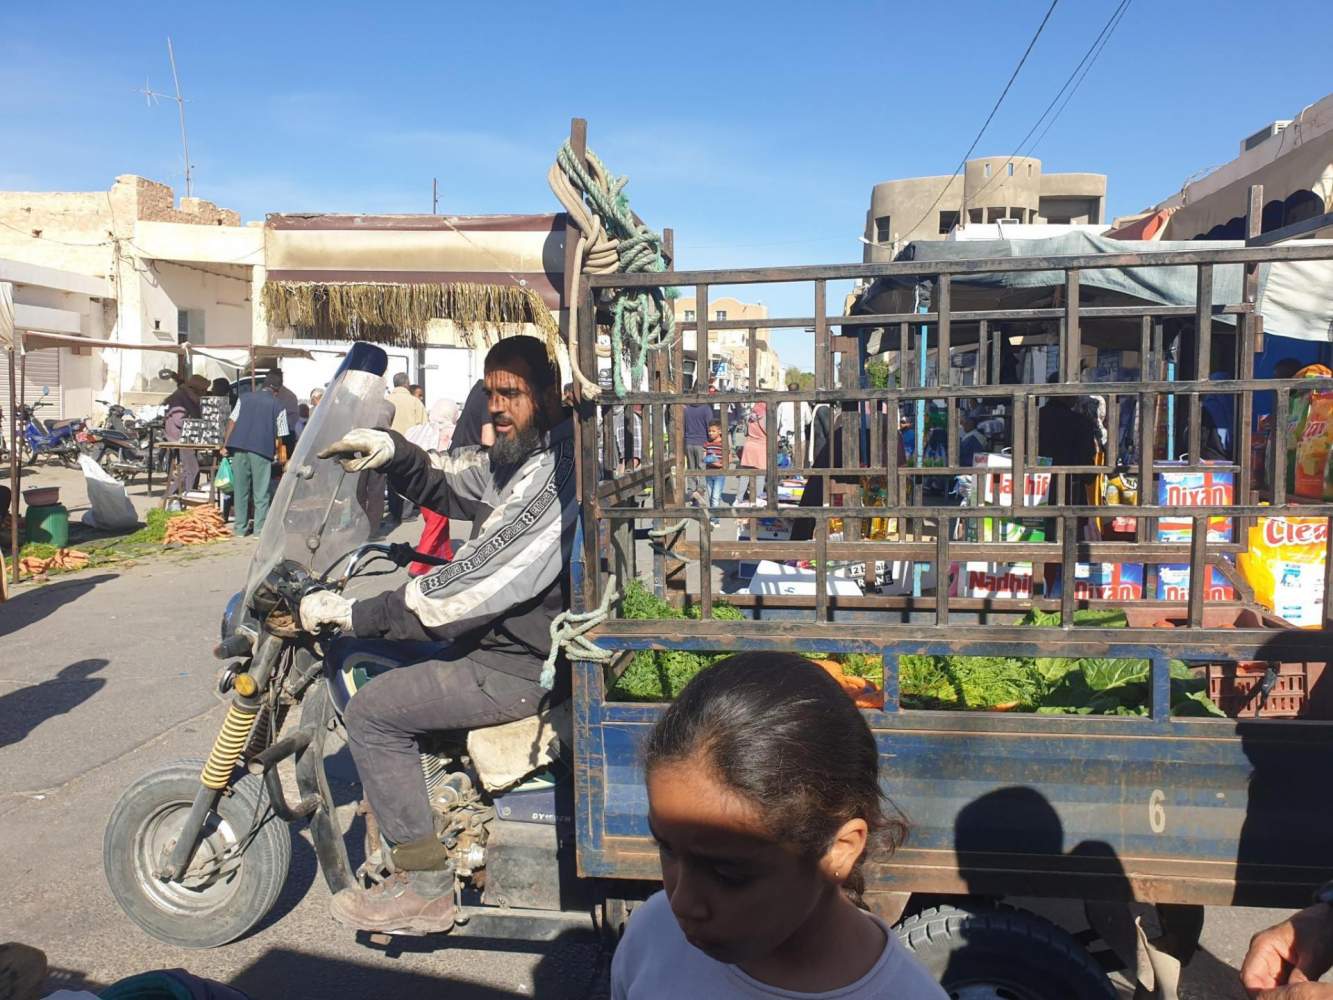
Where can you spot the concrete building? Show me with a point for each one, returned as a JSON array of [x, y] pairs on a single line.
[[728, 349], [1292, 159], [163, 272], [989, 189]]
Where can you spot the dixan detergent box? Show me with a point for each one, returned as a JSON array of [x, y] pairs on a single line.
[[1193, 489], [996, 580], [998, 489], [1285, 565], [1173, 584], [1105, 582]]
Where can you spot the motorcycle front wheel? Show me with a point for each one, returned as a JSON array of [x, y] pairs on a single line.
[[231, 884]]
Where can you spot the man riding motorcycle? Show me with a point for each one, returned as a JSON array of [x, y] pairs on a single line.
[[488, 612]]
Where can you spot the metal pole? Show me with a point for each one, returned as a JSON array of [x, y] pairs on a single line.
[[13, 468]]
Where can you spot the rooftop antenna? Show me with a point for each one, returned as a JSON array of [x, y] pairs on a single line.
[[151, 97]]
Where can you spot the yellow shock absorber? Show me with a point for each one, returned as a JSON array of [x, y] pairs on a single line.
[[228, 746]]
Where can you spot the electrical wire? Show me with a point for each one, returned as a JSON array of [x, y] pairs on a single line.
[[1109, 26], [1087, 69], [984, 125]]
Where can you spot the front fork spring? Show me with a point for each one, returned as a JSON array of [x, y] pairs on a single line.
[[229, 745]]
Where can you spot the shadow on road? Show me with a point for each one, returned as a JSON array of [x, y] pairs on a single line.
[[571, 968], [33, 605], [24, 710]]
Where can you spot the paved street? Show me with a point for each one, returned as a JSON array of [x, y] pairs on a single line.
[[106, 675]]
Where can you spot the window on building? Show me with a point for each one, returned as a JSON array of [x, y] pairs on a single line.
[[689, 315], [947, 221], [190, 326], [884, 229], [974, 215], [720, 314], [1010, 169], [985, 170]]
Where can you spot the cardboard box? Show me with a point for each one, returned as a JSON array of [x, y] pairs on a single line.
[[997, 490], [1173, 584], [994, 580], [1193, 489], [1105, 582]]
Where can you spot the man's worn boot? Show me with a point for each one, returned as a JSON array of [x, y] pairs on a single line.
[[413, 900]]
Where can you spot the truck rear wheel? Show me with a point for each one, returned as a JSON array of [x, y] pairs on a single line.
[[1000, 953]]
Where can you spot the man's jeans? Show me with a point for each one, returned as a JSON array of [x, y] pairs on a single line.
[[695, 458], [385, 718]]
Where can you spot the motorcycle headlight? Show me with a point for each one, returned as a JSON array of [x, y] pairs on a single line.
[[231, 617]]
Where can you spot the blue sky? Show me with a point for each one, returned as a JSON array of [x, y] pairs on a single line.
[[755, 130]]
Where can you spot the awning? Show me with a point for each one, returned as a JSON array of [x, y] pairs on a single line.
[[1295, 298], [37, 341], [387, 277], [1150, 227]]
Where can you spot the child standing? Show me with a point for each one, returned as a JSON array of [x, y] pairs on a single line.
[[763, 797], [713, 460]]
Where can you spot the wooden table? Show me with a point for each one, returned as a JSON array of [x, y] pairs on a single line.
[[174, 470]]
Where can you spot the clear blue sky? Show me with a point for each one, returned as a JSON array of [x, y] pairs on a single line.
[[755, 130]]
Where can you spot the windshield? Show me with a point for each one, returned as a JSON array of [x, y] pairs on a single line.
[[315, 518]]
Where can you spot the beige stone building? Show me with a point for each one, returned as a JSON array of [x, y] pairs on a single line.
[[128, 264], [989, 189], [1292, 159], [728, 349]]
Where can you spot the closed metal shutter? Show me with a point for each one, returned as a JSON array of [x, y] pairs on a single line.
[[39, 369]]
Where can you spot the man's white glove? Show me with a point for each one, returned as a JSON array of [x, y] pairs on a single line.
[[324, 607], [361, 449]]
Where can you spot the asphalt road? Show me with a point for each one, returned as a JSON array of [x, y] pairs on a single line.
[[107, 675]]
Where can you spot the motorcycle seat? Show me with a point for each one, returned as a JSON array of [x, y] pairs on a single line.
[[53, 425]]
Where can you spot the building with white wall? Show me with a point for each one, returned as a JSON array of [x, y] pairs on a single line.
[[729, 349]]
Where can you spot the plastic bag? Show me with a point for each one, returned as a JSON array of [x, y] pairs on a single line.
[[109, 507], [1312, 448], [222, 480]]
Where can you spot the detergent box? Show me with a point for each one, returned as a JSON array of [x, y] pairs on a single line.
[[1105, 582], [994, 580], [998, 489], [1193, 489], [1173, 584], [1285, 565]]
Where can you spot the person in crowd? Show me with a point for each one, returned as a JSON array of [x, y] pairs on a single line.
[[715, 458], [697, 417], [1067, 436], [419, 391], [436, 434], [257, 421], [494, 606], [408, 412], [182, 405], [1286, 960], [765, 802], [970, 445], [302, 418], [220, 387], [754, 455], [290, 403], [315, 396]]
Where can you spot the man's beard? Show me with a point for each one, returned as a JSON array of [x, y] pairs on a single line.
[[513, 448]]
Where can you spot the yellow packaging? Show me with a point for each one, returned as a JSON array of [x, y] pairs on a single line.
[[1285, 566], [1313, 447]]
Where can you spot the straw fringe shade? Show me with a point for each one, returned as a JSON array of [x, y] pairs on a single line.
[[398, 314]]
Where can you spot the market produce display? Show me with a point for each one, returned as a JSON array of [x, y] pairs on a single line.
[[1048, 685], [61, 559], [203, 524]]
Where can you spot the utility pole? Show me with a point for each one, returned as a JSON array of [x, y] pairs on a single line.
[[152, 96], [434, 196]]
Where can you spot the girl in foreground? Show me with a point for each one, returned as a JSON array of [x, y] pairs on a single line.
[[763, 797]]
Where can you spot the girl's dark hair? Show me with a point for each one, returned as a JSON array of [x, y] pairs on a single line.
[[782, 733]]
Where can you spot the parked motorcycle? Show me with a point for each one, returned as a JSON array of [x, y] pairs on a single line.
[[49, 439], [196, 853], [122, 444]]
